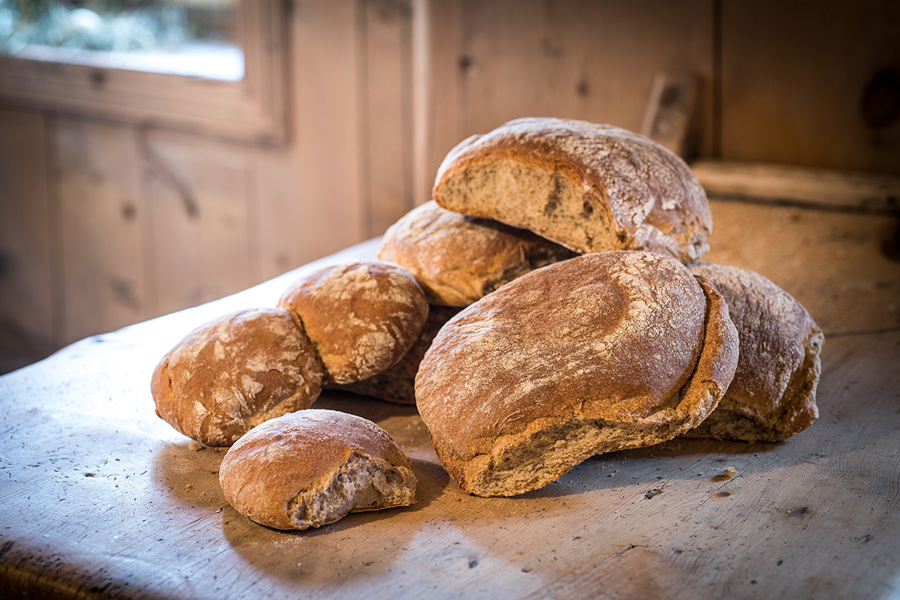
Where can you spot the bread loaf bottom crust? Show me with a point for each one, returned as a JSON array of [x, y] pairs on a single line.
[[548, 451]]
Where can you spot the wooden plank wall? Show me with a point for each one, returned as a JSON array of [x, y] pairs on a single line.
[[779, 82], [104, 224], [584, 59], [811, 83]]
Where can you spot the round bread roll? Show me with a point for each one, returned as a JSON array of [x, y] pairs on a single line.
[[589, 187], [458, 259], [773, 394], [398, 384], [599, 353], [313, 467], [235, 372], [362, 317]]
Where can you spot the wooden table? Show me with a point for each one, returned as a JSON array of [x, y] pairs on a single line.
[[101, 498]]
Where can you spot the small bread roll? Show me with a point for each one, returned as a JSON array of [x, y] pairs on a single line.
[[599, 353], [458, 259], [235, 372], [362, 317], [313, 467], [398, 384], [589, 187], [773, 394]]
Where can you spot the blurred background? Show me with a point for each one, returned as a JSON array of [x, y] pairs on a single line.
[[155, 155]]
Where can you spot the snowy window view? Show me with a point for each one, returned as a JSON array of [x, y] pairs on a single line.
[[181, 37]]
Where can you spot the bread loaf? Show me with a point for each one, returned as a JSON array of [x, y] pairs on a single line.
[[397, 384], [313, 467], [589, 187], [362, 317], [235, 372], [773, 394], [458, 259], [598, 353]]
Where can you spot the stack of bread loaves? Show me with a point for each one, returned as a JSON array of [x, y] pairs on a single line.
[[238, 380], [547, 305], [630, 344]]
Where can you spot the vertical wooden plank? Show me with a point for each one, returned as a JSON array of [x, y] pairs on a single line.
[[200, 195], [438, 63], [26, 302], [795, 77], [584, 59], [388, 112], [309, 193], [101, 228], [504, 74]]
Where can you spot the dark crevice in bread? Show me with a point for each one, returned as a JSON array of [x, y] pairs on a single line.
[[298, 319]]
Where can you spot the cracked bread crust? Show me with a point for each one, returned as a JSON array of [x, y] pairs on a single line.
[[361, 317], [773, 394], [313, 467], [397, 384], [595, 354], [589, 187], [457, 259], [235, 372]]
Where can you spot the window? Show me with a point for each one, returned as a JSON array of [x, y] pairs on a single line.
[[215, 66]]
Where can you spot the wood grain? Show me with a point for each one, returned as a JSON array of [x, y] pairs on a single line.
[[846, 191], [102, 219], [27, 303], [388, 113], [580, 59], [794, 77], [101, 497], [834, 263], [200, 206], [438, 64], [310, 193]]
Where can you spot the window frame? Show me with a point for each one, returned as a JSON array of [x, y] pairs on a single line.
[[253, 109]]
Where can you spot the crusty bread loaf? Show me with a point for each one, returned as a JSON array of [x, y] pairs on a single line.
[[362, 317], [458, 259], [398, 383], [310, 468], [773, 394], [235, 372], [598, 353], [589, 187]]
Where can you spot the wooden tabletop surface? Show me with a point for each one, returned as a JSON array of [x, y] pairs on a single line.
[[101, 498]]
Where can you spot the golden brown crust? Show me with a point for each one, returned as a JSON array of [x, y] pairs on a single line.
[[305, 456], [362, 317], [773, 394], [598, 353], [397, 384], [589, 187], [235, 372], [457, 259]]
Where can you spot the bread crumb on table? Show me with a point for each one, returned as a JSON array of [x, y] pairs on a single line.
[[728, 473]]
